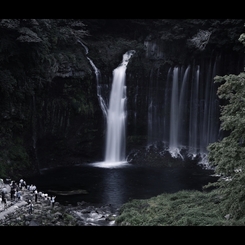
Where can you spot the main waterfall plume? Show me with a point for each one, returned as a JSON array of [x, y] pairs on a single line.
[[116, 117]]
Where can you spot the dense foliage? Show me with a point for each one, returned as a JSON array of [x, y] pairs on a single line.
[[36, 58], [227, 156], [183, 208]]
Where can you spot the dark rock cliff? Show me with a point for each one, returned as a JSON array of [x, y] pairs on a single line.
[[49, 112]]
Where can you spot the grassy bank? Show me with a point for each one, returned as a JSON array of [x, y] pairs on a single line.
[[184, 208]]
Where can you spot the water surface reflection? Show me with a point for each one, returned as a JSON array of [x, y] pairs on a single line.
[[116, 186]]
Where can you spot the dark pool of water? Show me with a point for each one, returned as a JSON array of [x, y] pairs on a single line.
[[116, 186]]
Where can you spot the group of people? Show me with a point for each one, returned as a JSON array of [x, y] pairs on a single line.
[[16, 194], [16, 190]]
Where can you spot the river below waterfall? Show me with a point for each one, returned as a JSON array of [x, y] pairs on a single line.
[[116, 186]]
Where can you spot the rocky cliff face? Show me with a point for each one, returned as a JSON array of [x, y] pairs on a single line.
[[49, 107], [50, 114], [167, 44]]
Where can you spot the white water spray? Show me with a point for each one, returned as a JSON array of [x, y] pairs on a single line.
[[116, 118]]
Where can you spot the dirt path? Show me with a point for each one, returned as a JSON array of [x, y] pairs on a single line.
[[11, 208], [12, 205]]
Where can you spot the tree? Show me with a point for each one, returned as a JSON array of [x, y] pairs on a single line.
[[227, 156]]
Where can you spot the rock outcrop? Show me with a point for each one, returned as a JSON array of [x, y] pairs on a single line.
[[43, 214]]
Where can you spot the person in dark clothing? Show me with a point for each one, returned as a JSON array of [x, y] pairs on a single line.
[[30, 208], [4, 200], [12, 193], [14, 185], [24, 184]]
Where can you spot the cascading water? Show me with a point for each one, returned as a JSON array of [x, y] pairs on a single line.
[[193, 122], [183, 108], [187, 119], [174, 114], [115, 115], [116, 118], [99, 92], [190, 115]]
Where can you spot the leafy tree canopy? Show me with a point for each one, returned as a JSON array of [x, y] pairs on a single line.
[[227, 156]]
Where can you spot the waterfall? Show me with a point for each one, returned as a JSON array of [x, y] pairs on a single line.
[[98, 79], [115, 114], [115, 138], [99, 89], [183, 108], [210, 128], [174, 114], [193, 122], [166, 108], [151, 114], [116, 118], [189, 109]]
